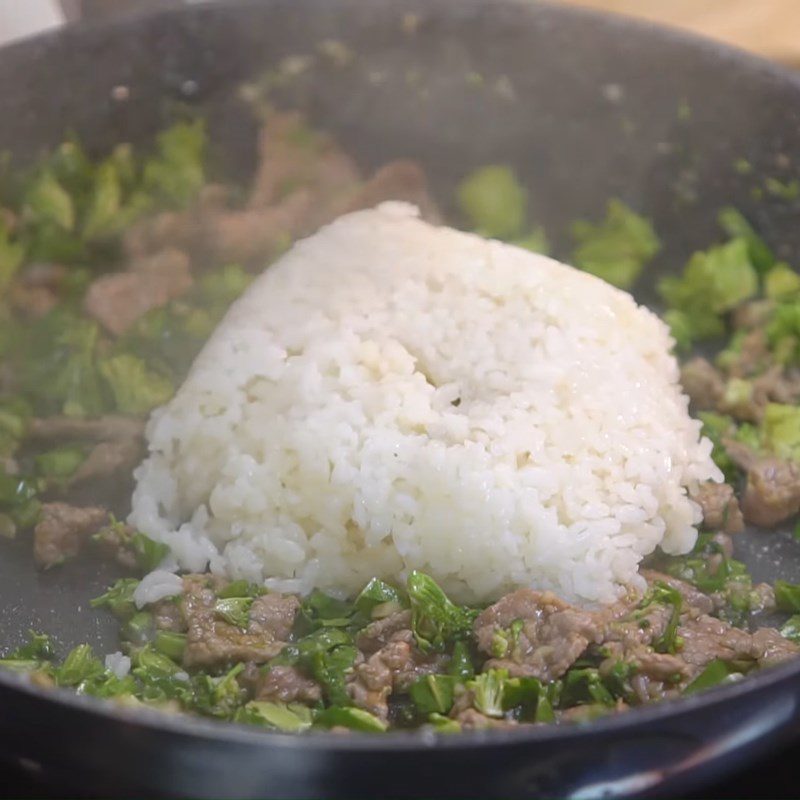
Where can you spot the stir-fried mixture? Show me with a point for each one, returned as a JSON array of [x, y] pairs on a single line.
[[113, 272]]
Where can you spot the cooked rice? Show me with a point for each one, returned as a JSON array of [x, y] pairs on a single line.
[[393, 396]]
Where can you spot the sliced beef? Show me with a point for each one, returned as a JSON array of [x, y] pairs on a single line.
[[703, 383], [107, 459], [392, 668], [706, 638], [552, 637], [114, 542], [169, 616], [770, 648], [62, 530], [378, 633], [720, 507], [772, 493], [752, 314], [214, 643], [37, 290], [117, 300], [286, 684], [692, 597], [398, 180], [292, 158], [100, 429], [273, 615]]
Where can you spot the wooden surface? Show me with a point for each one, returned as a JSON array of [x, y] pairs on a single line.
[[768, 27]]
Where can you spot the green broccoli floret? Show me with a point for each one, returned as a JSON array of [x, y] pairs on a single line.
[[736, 226], [494, 202], [781, 430], [135, 388], [782, 283], [617, 248], [713, 282]]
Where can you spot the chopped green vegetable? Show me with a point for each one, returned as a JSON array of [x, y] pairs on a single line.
[[433, 693], [662, 594], [149, 554], [60, 463], [175, 174], [378, 599], [442, 724], [234, 610], [291, 717], [716, 673], [79, 666], [487, 689], [585, 686], [119, 598], [319, 610], [329, 668], [461, 665], [150, 662], [11, 255], [781, 430], [787, 596], [136, 390], [713, 282], [494, 202], [241, 588], [791, 629], [171, 644], [356, 719], [782, 283], [39, 647], [616, 249], [435, 619], [736, 226], [139, 629]]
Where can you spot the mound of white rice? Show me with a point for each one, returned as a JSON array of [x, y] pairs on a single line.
[[393, 396]]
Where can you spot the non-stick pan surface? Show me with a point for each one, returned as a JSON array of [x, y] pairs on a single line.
[[584, 107]]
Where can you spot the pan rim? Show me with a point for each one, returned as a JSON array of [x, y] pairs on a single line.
[[208, 729]]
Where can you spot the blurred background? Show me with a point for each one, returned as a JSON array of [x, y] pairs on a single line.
[[768, 27]]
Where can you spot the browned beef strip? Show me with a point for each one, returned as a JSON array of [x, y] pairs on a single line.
[[111, 458], [692, 597], [286, 684], [62, 530], [772, 493], [169, 616], [118, 299], [398, 180], [37, 289], [214, 643], [705, 639], [553, 635], [378, 633], [100, 429], [291, 159], [720, 507], [753, 355], [114, 542], [393, 668], [752, 314], [770, 648], [703, 383], [274, 615]]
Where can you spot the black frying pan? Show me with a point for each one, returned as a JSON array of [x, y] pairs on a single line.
[[584, 107]]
